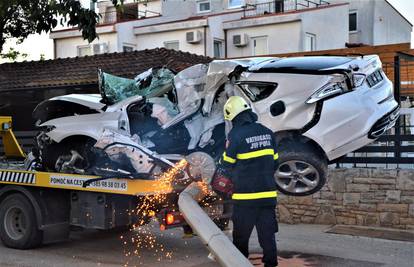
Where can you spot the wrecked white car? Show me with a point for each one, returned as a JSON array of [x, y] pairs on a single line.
[[320, 108]]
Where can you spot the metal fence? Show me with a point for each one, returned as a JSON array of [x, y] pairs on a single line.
[[394, 149], [280, 6]]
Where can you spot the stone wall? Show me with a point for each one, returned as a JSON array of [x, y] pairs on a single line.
[[366, 197]]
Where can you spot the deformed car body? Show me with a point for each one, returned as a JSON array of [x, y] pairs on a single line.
[[320, 108]]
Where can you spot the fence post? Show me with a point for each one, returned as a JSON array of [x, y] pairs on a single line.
[[397, 96]]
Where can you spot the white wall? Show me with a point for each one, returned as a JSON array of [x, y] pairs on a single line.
[[330, 25], [282, 38], [365, 9], [215, 30], [153, 40], [126, 35], [67, 47], [378, 23], [389, 26], [286, 32]]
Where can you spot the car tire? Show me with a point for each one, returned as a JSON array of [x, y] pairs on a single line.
[[18, 224], [302, 169]]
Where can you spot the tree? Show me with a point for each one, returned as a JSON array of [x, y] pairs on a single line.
[[20, 18], [13, 55]]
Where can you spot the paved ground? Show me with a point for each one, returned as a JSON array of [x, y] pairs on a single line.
[[300, 245]]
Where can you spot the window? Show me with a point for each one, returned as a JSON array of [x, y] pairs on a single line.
[[128, 48], [175, 45], [84, 50], [257, 91], [218, 49], [259, 45], [235, 3], [310, 42], [353, 21], [203, 6], [100, 48]]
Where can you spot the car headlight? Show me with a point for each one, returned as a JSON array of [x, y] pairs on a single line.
[[329, 90]]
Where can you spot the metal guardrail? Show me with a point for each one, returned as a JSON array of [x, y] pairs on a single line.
[[127, 15], [280, 6]]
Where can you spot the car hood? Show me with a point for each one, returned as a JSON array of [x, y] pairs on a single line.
[[92, 101], [66, 105]]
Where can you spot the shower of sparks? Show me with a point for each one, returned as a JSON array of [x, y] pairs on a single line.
[[142, 236]]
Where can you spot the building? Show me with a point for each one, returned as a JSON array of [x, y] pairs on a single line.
[[238, 28]]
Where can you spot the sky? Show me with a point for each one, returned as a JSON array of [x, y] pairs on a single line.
[[37, 45]]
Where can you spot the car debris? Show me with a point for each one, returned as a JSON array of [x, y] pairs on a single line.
[[320, 108]]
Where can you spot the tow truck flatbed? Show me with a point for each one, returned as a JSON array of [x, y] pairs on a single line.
[[133, 187], [41, 207], [38, 207]]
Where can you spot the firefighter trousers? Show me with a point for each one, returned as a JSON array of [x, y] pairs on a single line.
[[245, 218]]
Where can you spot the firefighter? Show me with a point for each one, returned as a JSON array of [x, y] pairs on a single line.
[[250, 161]]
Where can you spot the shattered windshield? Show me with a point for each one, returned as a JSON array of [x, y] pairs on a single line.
[[153, 82]]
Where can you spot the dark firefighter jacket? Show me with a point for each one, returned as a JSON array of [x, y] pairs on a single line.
[[250, 160]]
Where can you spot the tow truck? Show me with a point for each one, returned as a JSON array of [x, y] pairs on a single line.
[[42, 207]]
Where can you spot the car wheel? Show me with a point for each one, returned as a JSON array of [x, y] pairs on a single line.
[[302, 169], [18, 225]]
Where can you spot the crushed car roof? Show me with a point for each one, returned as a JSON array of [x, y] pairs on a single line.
[[301, 64]]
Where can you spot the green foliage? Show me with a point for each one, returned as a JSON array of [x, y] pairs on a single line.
[[19, 18], [13, 55]]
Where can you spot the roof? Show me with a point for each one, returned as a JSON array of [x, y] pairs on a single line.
[[84, 70], [398, 12]]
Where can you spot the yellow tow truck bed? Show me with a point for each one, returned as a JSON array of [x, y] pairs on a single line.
[[133, 187]]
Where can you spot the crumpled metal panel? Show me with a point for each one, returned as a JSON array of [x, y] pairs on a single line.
[[189, 85], [218, 74], [163, 109], [201, 128], [141, 162]]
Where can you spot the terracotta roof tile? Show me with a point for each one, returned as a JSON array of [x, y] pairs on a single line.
[[83, 70]]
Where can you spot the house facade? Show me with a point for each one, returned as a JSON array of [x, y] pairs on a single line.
[[238, 28]]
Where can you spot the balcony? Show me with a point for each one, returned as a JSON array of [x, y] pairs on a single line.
[[280, 6], [125, 15]]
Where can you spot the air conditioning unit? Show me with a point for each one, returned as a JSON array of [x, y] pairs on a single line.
[[240, 40], [193, 37], [100, 48]]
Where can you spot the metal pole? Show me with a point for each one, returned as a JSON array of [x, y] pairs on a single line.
[[217, 242], [397, 96]]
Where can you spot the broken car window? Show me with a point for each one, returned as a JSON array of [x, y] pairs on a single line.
[[153, 82], [257, 91]]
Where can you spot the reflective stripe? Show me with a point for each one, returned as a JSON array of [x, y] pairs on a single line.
[[255, 154], [276, 156], [228, 159], [249, 196]]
